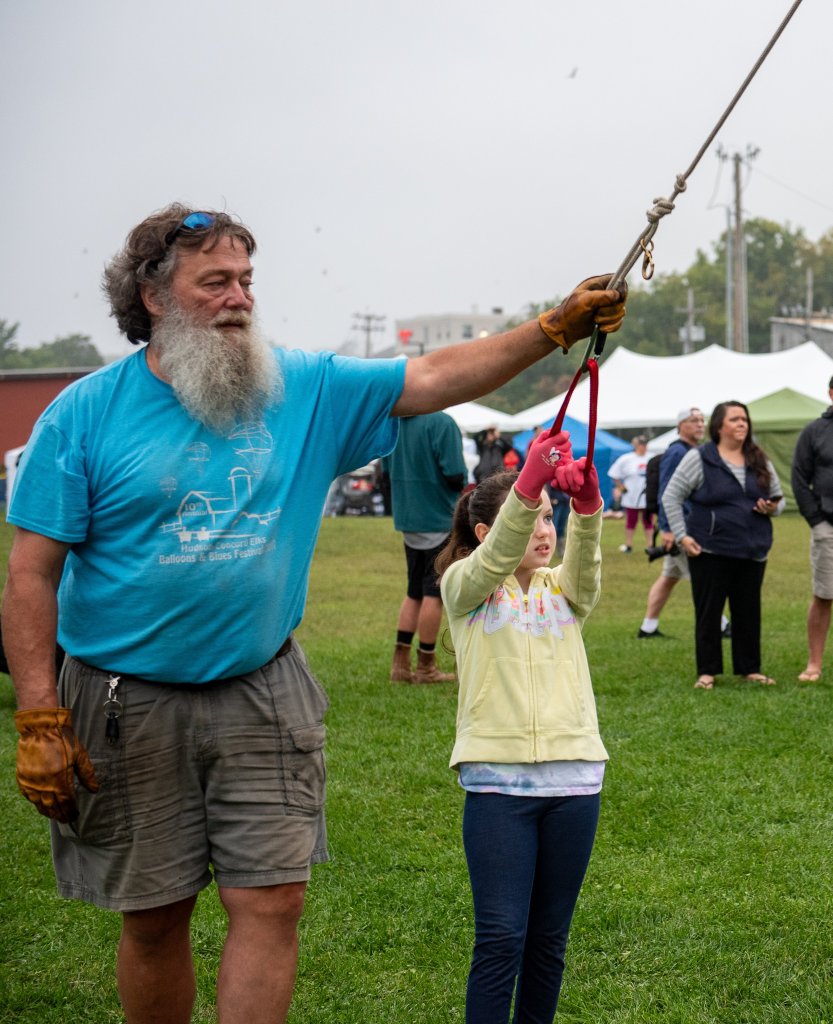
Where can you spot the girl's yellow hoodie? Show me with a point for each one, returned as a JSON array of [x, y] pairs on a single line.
[[525, 691]]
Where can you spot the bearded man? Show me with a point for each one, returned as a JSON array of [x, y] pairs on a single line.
[[167, 508]]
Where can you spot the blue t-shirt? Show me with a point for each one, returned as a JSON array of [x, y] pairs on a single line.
[[190, 551]]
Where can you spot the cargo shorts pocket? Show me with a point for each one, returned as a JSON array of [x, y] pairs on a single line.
[[299, 704], [103, 817], [304, 766]]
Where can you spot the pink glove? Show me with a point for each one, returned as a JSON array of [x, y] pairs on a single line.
[[581, 484], [545, 453]]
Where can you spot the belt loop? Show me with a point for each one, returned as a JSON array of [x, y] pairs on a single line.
[[284, 648]]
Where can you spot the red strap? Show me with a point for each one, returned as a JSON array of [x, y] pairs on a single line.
[[592, 368]]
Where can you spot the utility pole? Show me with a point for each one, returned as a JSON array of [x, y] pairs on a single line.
[[691, 332], [738, 289], [368, 323], [723, 156], [729, 278], [740, 321]]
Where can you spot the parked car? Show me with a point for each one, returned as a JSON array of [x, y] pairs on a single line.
[[356, 494]]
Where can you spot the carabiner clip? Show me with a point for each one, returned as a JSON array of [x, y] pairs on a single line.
[[647, 259]]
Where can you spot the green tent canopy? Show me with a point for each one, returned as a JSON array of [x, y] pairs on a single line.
[[777, 420]]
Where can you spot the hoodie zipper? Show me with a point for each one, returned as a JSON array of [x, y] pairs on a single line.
[[533, 705]]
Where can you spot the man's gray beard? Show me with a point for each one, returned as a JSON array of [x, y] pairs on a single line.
[[220, 377]]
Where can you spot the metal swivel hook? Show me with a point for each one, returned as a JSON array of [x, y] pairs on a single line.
[[647, 259]]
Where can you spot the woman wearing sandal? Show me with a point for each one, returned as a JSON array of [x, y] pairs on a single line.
[[731, 491]]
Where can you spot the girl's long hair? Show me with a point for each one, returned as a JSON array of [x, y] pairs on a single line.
[[480, 505], [754, 456]]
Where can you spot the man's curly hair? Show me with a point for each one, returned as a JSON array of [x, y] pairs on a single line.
[[149, 257]]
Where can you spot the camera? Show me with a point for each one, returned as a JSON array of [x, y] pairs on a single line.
[[658, 551]]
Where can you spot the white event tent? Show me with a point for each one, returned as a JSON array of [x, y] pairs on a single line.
[[471, 417], [637, 391]]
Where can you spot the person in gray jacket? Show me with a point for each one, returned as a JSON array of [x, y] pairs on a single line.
[[733, 491], [812, 482]]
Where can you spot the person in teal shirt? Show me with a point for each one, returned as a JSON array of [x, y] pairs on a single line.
[[427, 472]]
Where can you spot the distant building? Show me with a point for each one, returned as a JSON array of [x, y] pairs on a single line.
[[24, 394], [418, 335], [789, 331]]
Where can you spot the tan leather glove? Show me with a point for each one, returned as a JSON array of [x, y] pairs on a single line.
[[590, 303], [49, 756]]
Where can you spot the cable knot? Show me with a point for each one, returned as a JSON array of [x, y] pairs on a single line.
[[660, 208]]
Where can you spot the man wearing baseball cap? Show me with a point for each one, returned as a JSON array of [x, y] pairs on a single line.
[[691, 426]]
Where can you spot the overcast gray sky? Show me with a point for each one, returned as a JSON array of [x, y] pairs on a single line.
[[394, 158]]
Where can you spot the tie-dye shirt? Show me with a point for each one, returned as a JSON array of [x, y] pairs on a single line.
[[547, 778]]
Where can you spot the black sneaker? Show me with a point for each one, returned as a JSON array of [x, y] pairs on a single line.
[[727, 631], [644, 635]]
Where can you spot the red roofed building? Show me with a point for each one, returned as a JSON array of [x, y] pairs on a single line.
[[24, 394]]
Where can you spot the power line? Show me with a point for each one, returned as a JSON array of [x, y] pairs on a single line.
[[368, 324], [796, 191], [722, 155]]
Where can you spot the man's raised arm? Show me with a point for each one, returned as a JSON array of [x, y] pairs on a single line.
[[461, 373]]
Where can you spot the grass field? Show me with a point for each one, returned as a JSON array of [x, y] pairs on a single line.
[[709, 893]]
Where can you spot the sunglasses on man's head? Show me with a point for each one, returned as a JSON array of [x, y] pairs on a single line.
[[193, 222]]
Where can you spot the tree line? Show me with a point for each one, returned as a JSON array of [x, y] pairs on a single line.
[[777, 258], [72, 350]]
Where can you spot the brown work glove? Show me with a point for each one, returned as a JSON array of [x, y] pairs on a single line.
[[49, 756], [589, 303]]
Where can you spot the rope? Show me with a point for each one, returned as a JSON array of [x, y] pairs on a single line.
[[662, 207], [644, 245]]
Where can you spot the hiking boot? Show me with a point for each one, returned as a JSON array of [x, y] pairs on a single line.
[[427, 670], [400, 671]]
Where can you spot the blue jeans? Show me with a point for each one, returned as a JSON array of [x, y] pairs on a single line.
[[526, 857]]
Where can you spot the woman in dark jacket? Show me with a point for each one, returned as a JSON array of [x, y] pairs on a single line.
[[731, 491]]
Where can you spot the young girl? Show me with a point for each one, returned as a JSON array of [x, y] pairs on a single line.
[[528, 748]]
